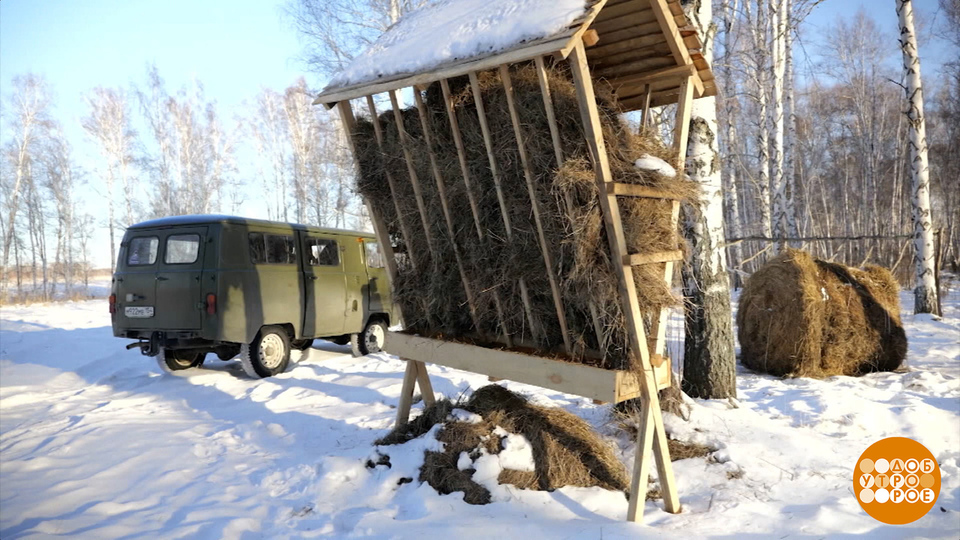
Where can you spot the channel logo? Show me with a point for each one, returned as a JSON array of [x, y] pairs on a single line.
[[896, 480]]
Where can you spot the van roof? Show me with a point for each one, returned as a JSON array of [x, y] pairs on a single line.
[[207, 219]]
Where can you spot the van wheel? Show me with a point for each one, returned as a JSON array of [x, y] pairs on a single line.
[[302, 344], [268, 354], [371, 340], [170, 361]]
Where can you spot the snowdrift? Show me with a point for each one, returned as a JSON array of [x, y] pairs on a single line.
[[429, 287], [810, 318]]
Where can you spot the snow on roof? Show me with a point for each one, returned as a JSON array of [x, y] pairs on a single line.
[[453, 30]]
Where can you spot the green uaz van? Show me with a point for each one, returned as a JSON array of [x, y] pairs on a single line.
[[187, 286]]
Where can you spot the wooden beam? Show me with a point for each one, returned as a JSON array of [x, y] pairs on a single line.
[[671, 32], [406, 393], [659, 328], [577, 379], [426, 387], [404, 229], [495, 172], [535, 205], [635, 67], [636, 190], [645, 114], [672, 73], [628, 43], [637, 259], [444, 205], [650, 438], [411, 170], [681, 129], [590, 38]]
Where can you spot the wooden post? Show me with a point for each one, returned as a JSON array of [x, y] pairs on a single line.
[[442, 192], [406, 393], [681, 130], [405, 144], [645, 115], [652, 435], [535, 205], [494, 170]]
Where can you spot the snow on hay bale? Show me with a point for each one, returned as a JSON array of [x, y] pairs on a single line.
[[810, 318], [433, 299], [504, 435]]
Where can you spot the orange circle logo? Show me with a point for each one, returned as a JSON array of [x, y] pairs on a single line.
[[896, 480]]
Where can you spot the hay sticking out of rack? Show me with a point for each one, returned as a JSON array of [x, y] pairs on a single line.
[[428, 285]]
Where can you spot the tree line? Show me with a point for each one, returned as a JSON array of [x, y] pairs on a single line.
[[157, 153]]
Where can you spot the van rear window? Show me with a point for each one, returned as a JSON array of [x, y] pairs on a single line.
[[142, 251], [272, 249], [181, 249], [374, 256]]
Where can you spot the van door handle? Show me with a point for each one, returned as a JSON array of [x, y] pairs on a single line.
[[313, 278], [161, 278]]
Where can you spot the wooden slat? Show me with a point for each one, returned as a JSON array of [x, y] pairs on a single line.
[[558, 153], [635, 67], [465, 172], [411, 170], [672, 73], [404, 229], [495, 171], [461, 153], [635, 190], [645, 115], [610, 12], [568, 377], [535, 205], [626, 57], [636, 259], [608, 46], [654, 438], [637, 27], [659, 328]]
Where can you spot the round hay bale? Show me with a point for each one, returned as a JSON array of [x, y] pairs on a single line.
[[802, 317]]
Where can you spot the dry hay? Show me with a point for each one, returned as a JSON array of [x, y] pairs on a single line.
[[566, 450], [802, 317], [429, 287]]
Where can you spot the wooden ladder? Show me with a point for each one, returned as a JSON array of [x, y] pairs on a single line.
[[651, 433]]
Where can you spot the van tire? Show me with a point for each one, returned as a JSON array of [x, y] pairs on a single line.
[[302, 344], [269, 353], [370, 341], [172, 360]]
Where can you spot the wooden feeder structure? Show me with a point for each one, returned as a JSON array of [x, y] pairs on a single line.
[[648, 53]]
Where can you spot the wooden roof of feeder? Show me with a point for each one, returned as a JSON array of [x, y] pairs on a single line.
[[629, 43]]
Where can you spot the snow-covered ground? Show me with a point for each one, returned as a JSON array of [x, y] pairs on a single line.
[[96, 443]]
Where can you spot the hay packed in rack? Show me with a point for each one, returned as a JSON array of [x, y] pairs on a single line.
[[804, 317], [429, 286]]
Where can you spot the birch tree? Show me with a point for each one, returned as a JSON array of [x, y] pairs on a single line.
[[29, 109], [709, 366], [925, 292], [778, 191]]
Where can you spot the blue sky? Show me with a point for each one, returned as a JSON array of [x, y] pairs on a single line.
[[233, 47]]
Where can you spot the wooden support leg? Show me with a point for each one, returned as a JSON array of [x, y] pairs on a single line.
[[406, 393], [423, 380], [641, 463]]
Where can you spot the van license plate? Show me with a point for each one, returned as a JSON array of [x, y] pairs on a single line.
[[138, 312]]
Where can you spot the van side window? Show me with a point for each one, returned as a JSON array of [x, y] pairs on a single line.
[[142, 251], [374, 256], [258, 250], [323, 252], [181, 249], [280, 249]]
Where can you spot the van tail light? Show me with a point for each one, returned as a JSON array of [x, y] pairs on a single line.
[[211, 304], [113, 304]]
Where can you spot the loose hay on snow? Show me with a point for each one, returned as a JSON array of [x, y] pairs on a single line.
[[566, 450], [428, 286], [809, 318]]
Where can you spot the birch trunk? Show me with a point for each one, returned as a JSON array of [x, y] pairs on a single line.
[[709, 367], [760, 90], [729, 163], [789, 149], [925, 293], [778, 201]]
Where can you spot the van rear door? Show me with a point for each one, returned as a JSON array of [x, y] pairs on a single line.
[[136, 280], [179, 302]]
